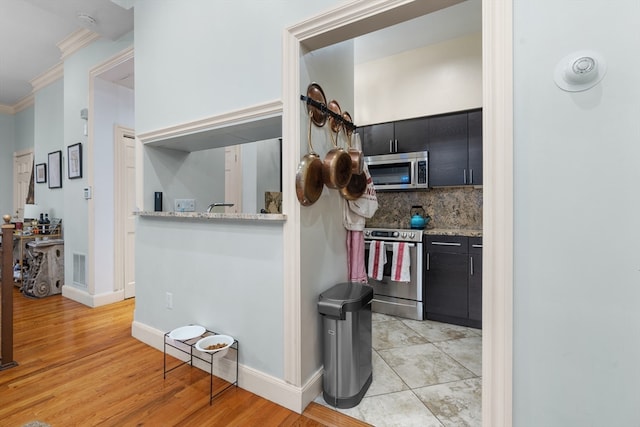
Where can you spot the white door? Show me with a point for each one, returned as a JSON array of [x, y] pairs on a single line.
[[22, 170], [233, 179], [125, 173]]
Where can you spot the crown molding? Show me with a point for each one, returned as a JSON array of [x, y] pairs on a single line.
[[6, 109], [24, 103], [51, 75], [76, 41]]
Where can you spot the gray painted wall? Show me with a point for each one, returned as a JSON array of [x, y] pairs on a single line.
[[577, 269]]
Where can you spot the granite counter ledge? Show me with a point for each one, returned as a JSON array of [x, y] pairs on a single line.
[[466, 232], [213, 216]]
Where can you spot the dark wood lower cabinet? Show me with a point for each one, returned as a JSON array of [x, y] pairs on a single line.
[[453, 280], [475, 279], [446, 292]]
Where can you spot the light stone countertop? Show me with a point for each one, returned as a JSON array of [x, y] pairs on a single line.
[[213, 216], [453, 232]]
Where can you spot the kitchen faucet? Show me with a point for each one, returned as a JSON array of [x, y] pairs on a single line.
[[215, 205]]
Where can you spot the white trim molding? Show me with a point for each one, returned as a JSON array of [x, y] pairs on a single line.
[[51, 75], [76, 41], [238, 117], [84, 297], [264, 385], [497, 310]]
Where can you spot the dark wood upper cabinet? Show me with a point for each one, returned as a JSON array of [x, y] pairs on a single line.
[[475, 147], [448, 149], [404, 136], [454, 143]]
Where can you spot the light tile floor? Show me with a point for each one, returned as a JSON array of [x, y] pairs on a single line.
[[425, 373]]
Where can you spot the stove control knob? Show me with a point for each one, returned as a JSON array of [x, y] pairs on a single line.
[[412, 235], [396, 234], [404, 235], [367, 233]]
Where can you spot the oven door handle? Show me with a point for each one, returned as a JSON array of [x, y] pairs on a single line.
[[411, 245]]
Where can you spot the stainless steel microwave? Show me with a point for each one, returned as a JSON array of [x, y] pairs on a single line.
[[399, 171]]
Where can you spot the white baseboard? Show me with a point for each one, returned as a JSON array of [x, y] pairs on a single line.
[[264, 385], [84, 297]]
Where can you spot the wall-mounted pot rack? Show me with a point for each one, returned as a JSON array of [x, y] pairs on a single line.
[[350, 126]]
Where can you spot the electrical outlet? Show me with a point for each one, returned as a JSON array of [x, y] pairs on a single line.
[[169, 300], [184, 205]]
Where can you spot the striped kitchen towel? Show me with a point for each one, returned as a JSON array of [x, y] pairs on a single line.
[[377, 259], [401, 263]]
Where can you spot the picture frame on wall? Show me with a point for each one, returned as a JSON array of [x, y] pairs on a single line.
[[41, 173], [55, 169], [74, 160]]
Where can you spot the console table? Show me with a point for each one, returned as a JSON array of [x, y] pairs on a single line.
[[188, 347]]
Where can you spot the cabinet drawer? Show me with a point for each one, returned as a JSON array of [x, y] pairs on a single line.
[[448, 244], [475, 245]]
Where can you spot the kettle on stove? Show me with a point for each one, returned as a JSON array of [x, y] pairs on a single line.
[[419, 218]]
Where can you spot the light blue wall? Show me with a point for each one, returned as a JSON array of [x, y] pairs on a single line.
[[226, 276], [196, 60], [76, 97], [201, 58], [49, 137], [25, 129], [577, 268], [7, 144]]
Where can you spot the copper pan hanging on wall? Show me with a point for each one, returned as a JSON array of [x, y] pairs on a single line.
[[357, 158], [318, 115], [336, 168], [309, 182]]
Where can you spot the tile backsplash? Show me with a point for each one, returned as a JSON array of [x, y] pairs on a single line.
[[450, 208]]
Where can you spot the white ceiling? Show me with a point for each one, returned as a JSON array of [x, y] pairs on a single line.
[[31, 29]]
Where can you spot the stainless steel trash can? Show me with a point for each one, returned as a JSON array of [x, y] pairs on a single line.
[[346, 323]]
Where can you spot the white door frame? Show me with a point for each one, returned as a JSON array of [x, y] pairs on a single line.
[[119, 205], [116, 60], [18, 205], [345, 23]]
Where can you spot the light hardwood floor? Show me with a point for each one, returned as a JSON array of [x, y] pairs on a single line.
[[79, 366]]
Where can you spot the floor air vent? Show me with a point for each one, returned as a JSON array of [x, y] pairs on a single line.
[[79, 270]]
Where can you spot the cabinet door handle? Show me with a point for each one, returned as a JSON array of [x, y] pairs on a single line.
[[471, 176], [427, 261], [477, 246], [396, 146], [464, 176], [391, 146], [446, 244], [471, 265]]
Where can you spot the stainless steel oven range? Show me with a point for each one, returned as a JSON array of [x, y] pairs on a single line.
[[403, 299]]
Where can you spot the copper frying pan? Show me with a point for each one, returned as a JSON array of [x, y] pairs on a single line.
[[357, 158], [309, 183], [336, 170]]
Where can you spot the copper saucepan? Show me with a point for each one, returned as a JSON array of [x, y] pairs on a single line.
[[357, 158], [309, 183], [336, 167]]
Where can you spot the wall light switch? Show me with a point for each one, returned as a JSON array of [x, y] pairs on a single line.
[[86, 192], [184, 205]]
